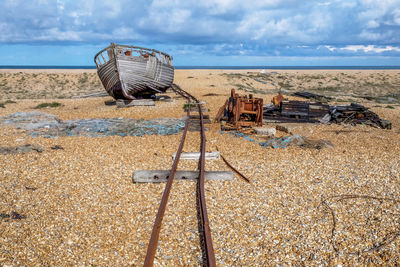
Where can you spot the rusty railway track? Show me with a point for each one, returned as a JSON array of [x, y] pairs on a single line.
[[205, 232]]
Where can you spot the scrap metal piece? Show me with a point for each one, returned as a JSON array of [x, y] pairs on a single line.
[[309, 95], [221, 111], [233, 169], [276, 100], [244, 111]]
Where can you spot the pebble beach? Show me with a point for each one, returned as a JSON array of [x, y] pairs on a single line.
[[71, 199]]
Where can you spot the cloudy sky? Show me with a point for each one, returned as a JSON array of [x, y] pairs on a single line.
[[204, 32]]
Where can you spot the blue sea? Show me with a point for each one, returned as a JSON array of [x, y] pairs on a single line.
[[226, 67]]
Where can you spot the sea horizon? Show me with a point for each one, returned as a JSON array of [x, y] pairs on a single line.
[[219, 67]]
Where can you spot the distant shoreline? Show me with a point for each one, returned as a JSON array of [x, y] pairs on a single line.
[[31, 67]]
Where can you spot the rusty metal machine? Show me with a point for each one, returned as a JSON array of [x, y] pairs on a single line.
[[242, 110]]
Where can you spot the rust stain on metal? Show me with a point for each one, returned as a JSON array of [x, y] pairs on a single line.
[[276, 100], [242, 110]]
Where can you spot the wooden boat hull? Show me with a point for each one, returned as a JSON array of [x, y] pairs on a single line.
[[128, 72]]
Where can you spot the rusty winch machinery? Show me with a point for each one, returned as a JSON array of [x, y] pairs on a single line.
[[242, 110]]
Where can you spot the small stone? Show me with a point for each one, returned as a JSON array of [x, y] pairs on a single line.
[[265, 131]]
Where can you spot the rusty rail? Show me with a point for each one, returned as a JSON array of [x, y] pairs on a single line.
[[205, 227]]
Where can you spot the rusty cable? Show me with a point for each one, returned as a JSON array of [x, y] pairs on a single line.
[[233, 169], [388, 238]]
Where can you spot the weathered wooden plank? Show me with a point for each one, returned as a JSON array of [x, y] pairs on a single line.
[[197, 117], [195, 109], [196, 155], [199, 103], [196, 128], [205, 121], [138, 102], [160, 176], [221, 112], [99, 94]]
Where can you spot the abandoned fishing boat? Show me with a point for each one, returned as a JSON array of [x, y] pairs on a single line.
[[129, 72]]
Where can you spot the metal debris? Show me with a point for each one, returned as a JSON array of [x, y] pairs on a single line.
[[312, 96], [357, 114], [235, 170], [317, 112], [295, 111], [21, 149], [14, 215], [242, 110]]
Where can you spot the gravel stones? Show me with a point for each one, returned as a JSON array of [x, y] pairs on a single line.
[[86, 210]]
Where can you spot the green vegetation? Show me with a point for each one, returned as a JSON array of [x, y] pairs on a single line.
[[389, 106], [211, 94], [367, 83], [285, 85], [315, 77], [186, 106], [233, 75], [329, 89], [384, 99], [83, 79], [48, 105], [3, 104], [248, 89]]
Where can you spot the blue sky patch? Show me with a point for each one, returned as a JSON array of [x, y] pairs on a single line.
[[219, 32]]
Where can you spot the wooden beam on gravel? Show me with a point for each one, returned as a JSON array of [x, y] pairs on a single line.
[[160, 176], [97, 94], [196, 155], [137, 102]]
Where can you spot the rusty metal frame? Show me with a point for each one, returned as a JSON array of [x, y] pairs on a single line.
[[240, 108]]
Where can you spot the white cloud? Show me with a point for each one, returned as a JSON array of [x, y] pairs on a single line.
[[372, 48], [396, 16], [330, 48], [263, 25], [324, 4], [112, 9], [364, 48], [347, 4], [372, 24], [371, 36]]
